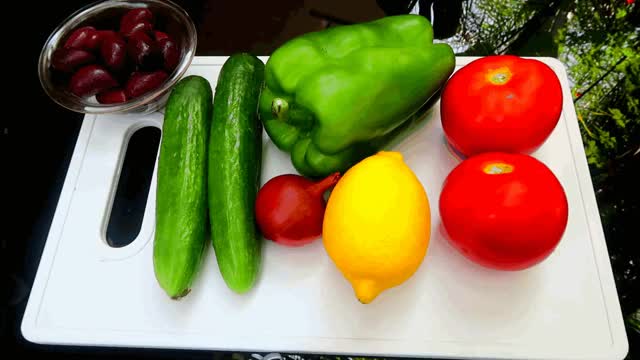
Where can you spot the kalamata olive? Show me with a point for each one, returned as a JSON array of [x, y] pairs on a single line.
[[114, 96], [170, 53], [142, 82], [90, 80], [68, 60], [142, 26], [113, 51], [135, 16], [142, 49], [86, 38], [159, 35], [103, 34]]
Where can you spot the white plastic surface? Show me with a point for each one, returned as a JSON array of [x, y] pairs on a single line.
[[86, 293]]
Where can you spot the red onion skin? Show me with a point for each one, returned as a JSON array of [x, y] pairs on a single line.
[[290, 208]]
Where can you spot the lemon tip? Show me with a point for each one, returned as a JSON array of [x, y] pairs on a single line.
[[366, 291]]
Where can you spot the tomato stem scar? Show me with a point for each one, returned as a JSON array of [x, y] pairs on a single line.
[[499, 76], [497, 168]]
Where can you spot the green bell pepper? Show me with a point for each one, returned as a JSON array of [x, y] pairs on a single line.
[[335, 96]]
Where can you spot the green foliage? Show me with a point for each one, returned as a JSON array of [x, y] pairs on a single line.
[[598, 45], [634, 321], [489, 25]]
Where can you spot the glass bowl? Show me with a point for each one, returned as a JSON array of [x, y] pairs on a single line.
[[105, 15]]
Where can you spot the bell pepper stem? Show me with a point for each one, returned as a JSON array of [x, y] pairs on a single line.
[[292, 114], [279, 108]]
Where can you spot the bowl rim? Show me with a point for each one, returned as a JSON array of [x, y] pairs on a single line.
[[81, 105]]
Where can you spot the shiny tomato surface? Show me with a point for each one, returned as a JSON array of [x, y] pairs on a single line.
[[503, 211], [500, 103]]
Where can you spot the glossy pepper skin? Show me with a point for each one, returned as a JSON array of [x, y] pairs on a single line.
[[333, 97]]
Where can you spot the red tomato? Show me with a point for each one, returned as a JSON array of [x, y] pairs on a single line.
[[504, 211], [500, 103]]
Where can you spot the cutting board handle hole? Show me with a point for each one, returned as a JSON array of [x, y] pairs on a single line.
[[130, 200]]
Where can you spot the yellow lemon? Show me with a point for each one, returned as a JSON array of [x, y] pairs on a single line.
[[377, 224]]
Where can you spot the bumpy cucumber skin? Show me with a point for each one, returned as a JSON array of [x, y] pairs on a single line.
[[235, 160], [181, 194]]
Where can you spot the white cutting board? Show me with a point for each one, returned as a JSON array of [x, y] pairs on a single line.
[[86, 293]]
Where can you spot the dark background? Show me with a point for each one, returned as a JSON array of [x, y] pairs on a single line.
[[38, 138]]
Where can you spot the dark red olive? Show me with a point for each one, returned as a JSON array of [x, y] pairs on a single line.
[[90, 80], [142, 26], [68, 60], [159, 35], [135, 16], [114, 96], [170, 53], [103, 34], [113, 51], [142, 82], [142, 49], [86, 38]]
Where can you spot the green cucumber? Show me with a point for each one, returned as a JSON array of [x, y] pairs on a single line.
[[181, 193], [235, 157]]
